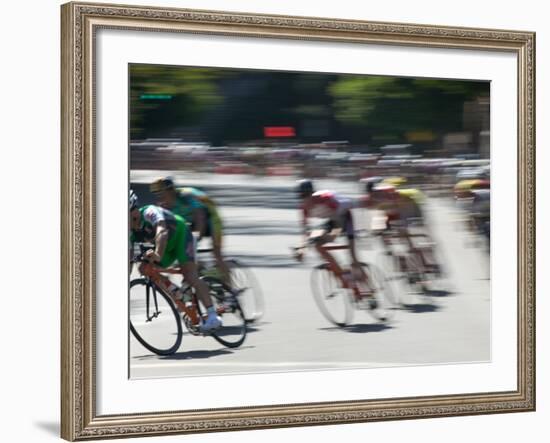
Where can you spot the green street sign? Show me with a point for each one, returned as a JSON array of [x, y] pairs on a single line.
[[155, 97]]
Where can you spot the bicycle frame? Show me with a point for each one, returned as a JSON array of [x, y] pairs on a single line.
[[154, 273], [411, 249], [345, 284]]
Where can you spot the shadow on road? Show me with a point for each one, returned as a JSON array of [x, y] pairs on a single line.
[[185, 355], [360, 328], [438, 293], [369, 327], [420, 308]]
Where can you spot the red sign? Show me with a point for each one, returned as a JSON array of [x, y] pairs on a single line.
[[279, 131]]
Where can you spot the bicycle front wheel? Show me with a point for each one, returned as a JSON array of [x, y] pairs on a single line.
[[400, 278], [333, 300], [154, 319], [250, 296], [382, 293], [233, 330]]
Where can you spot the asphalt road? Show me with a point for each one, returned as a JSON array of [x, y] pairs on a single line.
[[261, 224]]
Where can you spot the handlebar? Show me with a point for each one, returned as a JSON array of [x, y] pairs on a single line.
[[140, 258], [143, 248]]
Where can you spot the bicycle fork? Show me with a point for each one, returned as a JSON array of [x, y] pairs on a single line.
[[352, 284]]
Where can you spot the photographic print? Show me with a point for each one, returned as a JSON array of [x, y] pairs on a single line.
[[303, 221]]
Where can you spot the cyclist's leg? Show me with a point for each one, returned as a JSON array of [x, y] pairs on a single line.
[[411, 215], [425, 251], [349, 230], [403, 234], [329, 258], [391, 218], [191, 276], [330, 232], [394, 232], [185, 255], [217, 242], [358, 270], [347, 226]]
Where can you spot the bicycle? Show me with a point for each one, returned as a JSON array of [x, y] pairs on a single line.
[[243, 281], [346, 294], [408, 263], [155, 305]]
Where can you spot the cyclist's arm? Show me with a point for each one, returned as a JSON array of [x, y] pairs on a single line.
[[196, 209], [305, 228], [300, 249], [199, 220], [161, 238]]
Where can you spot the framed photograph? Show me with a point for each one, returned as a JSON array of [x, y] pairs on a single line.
[[273, 221]]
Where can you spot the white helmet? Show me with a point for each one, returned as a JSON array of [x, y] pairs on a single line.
[[133, 202]]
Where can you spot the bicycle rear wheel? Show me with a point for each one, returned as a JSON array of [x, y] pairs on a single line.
[[250, 295], [154, 319], [333, 300], [233, 331]]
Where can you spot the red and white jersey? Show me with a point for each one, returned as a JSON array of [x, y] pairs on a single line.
[[327, 204]]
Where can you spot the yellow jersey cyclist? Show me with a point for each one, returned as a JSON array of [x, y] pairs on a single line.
[[463, 190], [199, 210], [468, 195], [402, 209], [173, 244]]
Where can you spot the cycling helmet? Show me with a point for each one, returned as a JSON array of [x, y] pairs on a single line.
[[384, 191], [133, 201], [304, 188], [395, 181], [162, 184], [370, 182]]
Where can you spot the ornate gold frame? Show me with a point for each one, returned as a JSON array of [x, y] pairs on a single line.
[[79, 420]]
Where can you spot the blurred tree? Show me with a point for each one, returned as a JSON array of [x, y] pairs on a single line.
[[224, 105], [390, 107], [163, 97]]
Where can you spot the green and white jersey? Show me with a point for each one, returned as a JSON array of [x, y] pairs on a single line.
[[151, 216], [180, 245]]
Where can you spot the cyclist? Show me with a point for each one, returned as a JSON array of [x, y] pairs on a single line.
[[197, 207], [464, 188], [399, 205], [336, 209], [480, 212], [173, 243], [402, 209], [465, 196]]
